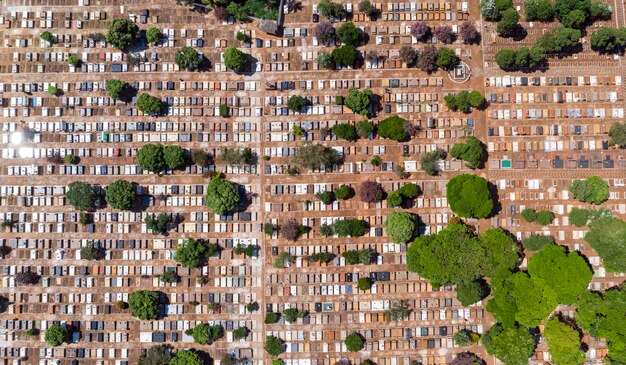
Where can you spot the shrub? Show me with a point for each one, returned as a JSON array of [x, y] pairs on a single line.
[[296, 103], [408, 55], [472, 152], [222, 196], [325, 60], [47, 36], [349, 227], [359, 100], [371, 191], [207, 334], [274, 345], [235, 156], [56, 335], [150, 157], [529, 215], [354, 257], [329, 9], [27, 278], [354, 342], [92, 251], [559, 39], [508, 22], [315, 156], [191, 253], [364, 284], [240, 333], [290, 230], [169, 276], [344, 192], [220, 13], [430, 161], [271, 318], [153, 35], [52, 90], [188, 58], [545, 217], [73, 60], [324, 257], [199, 157], [327, 197]]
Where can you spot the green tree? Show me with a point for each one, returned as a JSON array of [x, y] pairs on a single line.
[[365, 128], [364, 283], [207, 334], [541, 10], [608, 237], [600, 10], [593, 190], [91, 251], [235, 59], [349, 34], [430, 161], [156, 355], [150, 157], [559, 39], [174, 156], [462, 338], [545, 217], [292, 314], [469, 196], [120, 195], [315, 156], [492, 9], [188, 58], [52, 90], [327, 197], [56, 335], [537, 242], [296, 103], [349, 227], [618, 133], [344, 56], [563, 7], [122, 33], [329, 9], [186, 357], [472, 152], [240, 333], [47, 36], [169, 276], [359, 100], [508, 22], [505, 58], [73, 60], [511, 345], [222, 196], [274, 345], [325, 59], [153, 35], [191, 253], [567, 273], [345, 131], [400, 226], [144, 304], [365, 6], [563, 342], [446, 58], [149, 104], [116, 88], [81, 195], [354, 342], [470, 292], [344, 192], [394, 128], [236, 156], [271, 317], [575, 19]]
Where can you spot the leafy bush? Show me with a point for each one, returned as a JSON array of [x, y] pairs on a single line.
[[235, 59], [150, 157], [186, 357], [408, 55], [349, 34], [359, 100], [469, 196], [329, 9], [593, 190], [364, 283], [464, 100], [144, 304], [326, 197], [472, 152], [236, 156], [430, 161], [272, 317], [240, 333], [116, 88], [559, 39], [354, 342], [188, 58], [343, 56], [349, 227], [315, 156], [169, 276], [207, 334], [344, 192], [274, 345], [191, 253], [400, 226], [296, 103], [324, 257], [354, 257], [153, 35], [446, 58], [56, 335]]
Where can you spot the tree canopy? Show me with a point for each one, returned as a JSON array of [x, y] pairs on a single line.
[[120, 195], [116, 88], [235, 59], [296, 103], [324, 32], [222, 196], [469, 196], [608, 237], [430, 161], [400, 226], [371, 191], [149, 104], [186, 357], [188, 58], [511, 345], [537, 242], [122, 33], [472, 152], [81, 195], [56, 335], [593, 190], [359, 100], [563, 342], [567, 273], [618, 134], [508, 21], [156, 355], [345, 131], [144, 304], [541, 10], [393, 128], [344, 56], [446, 58], [207, 334], [559, 39], [354, 342], [349, 34], [153, 35], [464, 101], [191, 253], [174, 156], [492, 9], [315, 156], [274, 345], [150, 157]]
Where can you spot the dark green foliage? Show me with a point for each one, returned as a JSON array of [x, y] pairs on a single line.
[[608, 237], [364, 283], [296, 103], [349, 227], [462, 338], [559, 39], [174, 156], [594, 190], [469, 196], [150, 157], [609, 40], [600, 10], [543, 217], [73, 60], [395, 199], [563, 342], [564, 7], [344, 56], [47, 36], [156, 355], [393, 128], [472, 152], [148, 104], [349, 34], [365, 6], [511, 345], [224, 111], [188, 58], [329, 9], [541, 10], [169, 276], [492, 9], [508, 21], [153, 35], [122, 33], [235, 59], [186, 357], [344, 192], [236, 156], [272, 317], [354, 257], [274, 345], [505, 58], [324, 257], [529, 215], [430, 161], [602, 314], [567, 273], [116, 88], [510, 59], [240, 333], [354, 342], [446, 58], [327, 197], [56, 335], [315, 156], [345, 131], [92, 251], [292, 314], [400, 226], [269, 229], [575, 19], [248, 250], [358, 101], [222, 196], [144, 304], [470, 292], [121, 195], [326, 230], [456, 255], [537, 242], [398, 311], [325, 60], [81, 195], [617, 134], [191, 253], [464, 101], [207, 334]]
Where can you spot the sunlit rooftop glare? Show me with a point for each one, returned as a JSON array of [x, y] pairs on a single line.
[[16, 138]]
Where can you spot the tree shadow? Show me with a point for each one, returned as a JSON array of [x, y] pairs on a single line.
[[493, 193], [517, 33]]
